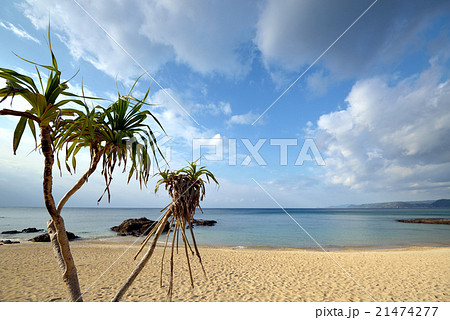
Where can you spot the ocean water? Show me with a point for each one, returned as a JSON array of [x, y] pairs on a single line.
[[331, 228]]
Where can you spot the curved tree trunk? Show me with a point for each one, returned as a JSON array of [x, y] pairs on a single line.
[[95, 159], [56, 227], [143, 261], [60, 245]]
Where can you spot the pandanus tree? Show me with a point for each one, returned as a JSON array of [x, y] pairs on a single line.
[[115, 135], [111, 134], [186, 187]]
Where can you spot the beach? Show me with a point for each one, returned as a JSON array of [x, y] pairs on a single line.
[[29, 272]]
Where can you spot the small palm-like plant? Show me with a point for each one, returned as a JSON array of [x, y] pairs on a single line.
[[186, 187]]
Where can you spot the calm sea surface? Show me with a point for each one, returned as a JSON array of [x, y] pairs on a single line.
[[258, 227]]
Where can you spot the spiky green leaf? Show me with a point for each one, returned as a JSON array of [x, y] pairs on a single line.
[[18, 132]]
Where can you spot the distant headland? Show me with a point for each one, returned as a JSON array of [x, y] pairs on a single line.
[[427, 204]]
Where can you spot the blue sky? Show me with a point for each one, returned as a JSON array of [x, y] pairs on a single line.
[[376, 104]]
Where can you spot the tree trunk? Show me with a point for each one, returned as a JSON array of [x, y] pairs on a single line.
[[55, 245], [56, 227], [95, 159], [60, 244], [142, 263]]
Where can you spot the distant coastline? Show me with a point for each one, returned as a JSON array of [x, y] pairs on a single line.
[[427, 204]]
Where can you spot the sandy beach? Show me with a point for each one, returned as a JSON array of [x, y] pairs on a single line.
[[28, 272]]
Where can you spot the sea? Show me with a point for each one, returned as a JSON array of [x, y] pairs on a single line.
[[263, 228]]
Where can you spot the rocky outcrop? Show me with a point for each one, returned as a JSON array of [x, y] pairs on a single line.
[[8, 242], [427, 220], [46, 238], [10, 232], [201, 222], [32, 230], [27, 230], [137, 227]]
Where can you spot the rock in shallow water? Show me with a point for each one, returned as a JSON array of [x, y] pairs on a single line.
[[137, 227], [27, 230], [32, 230], [8, 242], [46, 238], [10, 232], [201, 222], [427, 220]]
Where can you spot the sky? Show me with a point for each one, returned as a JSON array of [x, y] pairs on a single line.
[[289, 103]]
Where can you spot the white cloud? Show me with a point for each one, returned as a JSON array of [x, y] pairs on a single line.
[[292, 34], [390, 137], [176, 120], [180, 127], [226, 108], [172, 117], [18, 31], [246, 118], [214, 109], [208, 37], [205, 35], [318, 82]]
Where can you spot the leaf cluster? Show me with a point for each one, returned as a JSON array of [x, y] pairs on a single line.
[[46, 104], [186, 187], [117, 135]]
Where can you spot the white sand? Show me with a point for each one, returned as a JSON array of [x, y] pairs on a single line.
[[28, 272]]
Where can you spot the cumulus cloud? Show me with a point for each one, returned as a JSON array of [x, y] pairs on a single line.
[[18, 31], [221, 108], [318, 82], [158, 32], [86, 40], [246, 118], [208, 36], [173, 119], [292, 34], [222, 37], [390, 136], [185, 135]]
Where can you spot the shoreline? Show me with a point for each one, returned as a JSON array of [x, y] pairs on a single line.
[[160, 243], [129, 243], [131, 239], [29, 272]]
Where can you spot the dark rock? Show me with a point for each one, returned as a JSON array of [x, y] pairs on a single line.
[[27, 230], [46, 238], [137, 227], [201, 222], [427, 220], [10, 232], [9, 242], [32, 230], [41, 238]]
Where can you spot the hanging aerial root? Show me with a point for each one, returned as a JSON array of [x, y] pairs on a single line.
[[164, 252], [196, 249], [152, 232], [175, 231], [141, 264]]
